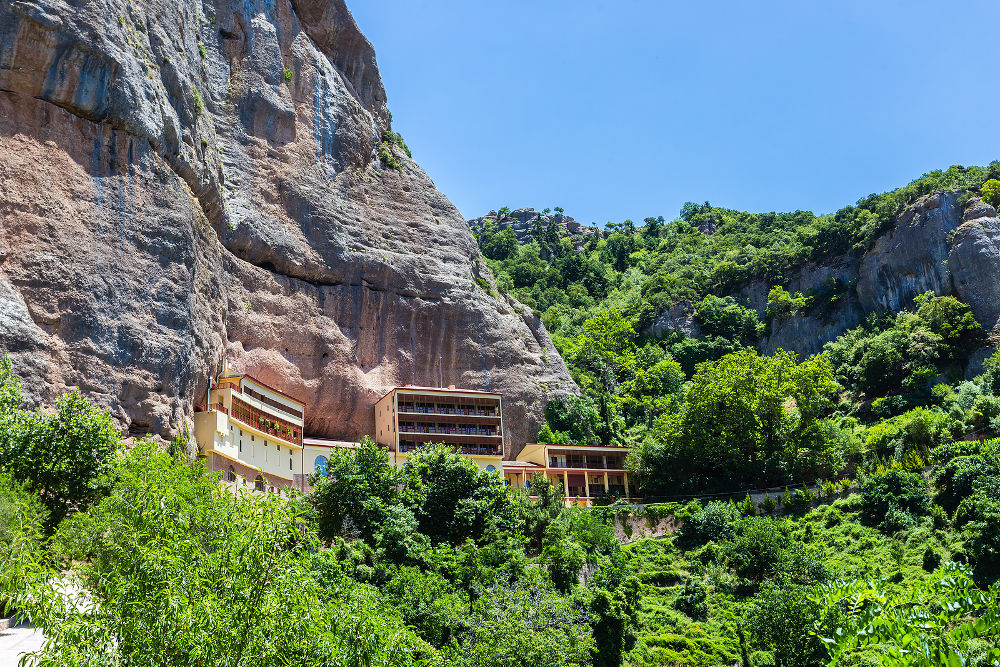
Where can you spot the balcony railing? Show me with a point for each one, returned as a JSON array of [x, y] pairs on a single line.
[[266, 423], [449, 431], [439, 410], [217, 407], [470, 450], [230, 384], [581, 465]]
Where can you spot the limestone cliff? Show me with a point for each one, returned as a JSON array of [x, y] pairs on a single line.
[[181, 180], [936, 244]]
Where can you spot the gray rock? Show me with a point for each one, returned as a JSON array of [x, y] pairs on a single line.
[[182, 179], [912, 257]]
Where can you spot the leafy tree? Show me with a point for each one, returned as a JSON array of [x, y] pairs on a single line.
[[614, 610], [745, 416], [453, 499], [758, 549], [187, 573], [725, 318], [779, 619], [563, 554], [715, 521], [22, 528], [893, 499], [607, 345], [990, 192], [575, 418], [60, 456], [360, 488], [546, 509], [498, 243], [526, 624]]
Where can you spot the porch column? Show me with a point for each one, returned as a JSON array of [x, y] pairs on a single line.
[[625, 477], [586, 482], [605, 482], [565, 484]]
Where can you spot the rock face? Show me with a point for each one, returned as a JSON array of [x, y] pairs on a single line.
[[524, 220], [912, 257], [936, 245], [181, 180]]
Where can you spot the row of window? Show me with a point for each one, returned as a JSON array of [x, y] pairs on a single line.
[[253, 439]]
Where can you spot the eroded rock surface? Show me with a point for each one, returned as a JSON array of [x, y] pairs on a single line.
[[180, 180]]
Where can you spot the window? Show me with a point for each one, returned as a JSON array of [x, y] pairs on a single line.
[[258, 483], [230, 475], [289, 464], [241, 445], [490, 468], [251, 438], [241, 433], [321, 465], [279, 449]]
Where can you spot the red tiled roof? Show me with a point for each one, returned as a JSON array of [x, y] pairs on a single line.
[[413, 387], [263, 384]]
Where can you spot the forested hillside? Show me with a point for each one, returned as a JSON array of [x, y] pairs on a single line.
[[638, 312]]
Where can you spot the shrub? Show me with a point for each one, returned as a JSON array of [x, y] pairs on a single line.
[[768, 504], [61, 456], [990, 192], [715, 521], [692, 600], [895, 498], [931, 559], [758, 549]]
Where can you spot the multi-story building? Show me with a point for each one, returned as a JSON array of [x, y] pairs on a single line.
[[252, 433], [468, 420], [585, 472]]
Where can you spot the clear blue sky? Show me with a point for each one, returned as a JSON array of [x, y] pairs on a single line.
[[627, 109]]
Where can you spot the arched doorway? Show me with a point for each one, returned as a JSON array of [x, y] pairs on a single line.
[[258, 483], [231, 474]]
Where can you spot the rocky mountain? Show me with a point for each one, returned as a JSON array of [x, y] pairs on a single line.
[[183, 180], [524, 222], [937, 244]]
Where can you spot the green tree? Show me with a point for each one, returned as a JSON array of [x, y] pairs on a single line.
[[563, 554], [537, 515], [453, 499], [498, 243], [990, 192], [360, 487], [894, 499], [59, 456], [745, 413], [186, 573]]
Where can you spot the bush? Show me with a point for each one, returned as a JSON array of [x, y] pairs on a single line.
[[22, 521], [894, 498], [990, 192], [715, 521], [692, 600], [61, 456], [758, 549]]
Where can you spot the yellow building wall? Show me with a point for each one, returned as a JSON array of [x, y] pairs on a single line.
[[385, 420]]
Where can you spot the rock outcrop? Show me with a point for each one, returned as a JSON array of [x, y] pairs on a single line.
[[184, 180], [937, 244], [912, 258], [524, 221]]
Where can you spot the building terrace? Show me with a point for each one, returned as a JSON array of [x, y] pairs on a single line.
[[586, 472]]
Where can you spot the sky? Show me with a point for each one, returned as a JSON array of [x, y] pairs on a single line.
[[625, 109]]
